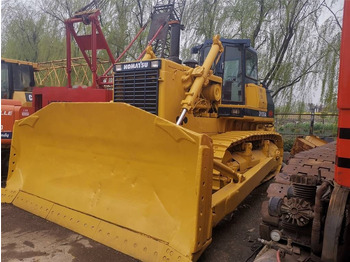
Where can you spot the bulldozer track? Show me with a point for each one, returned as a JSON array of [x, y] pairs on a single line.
[[222, 142]]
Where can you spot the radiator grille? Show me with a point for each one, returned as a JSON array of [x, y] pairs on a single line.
[[138, 88]]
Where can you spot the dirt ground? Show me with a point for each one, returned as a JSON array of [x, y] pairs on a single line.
[[26, 237]]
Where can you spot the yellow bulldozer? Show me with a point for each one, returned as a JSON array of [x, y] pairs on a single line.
[[152, 172]]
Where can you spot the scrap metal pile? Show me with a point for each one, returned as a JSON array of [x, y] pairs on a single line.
[[298, 202]]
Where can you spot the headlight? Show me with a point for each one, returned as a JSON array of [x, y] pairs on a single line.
[[155, 64], [118, 67]]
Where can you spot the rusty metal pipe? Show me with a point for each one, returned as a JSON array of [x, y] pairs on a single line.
[[316, 223]]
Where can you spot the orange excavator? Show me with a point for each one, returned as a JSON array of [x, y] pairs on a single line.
[[17, 82]]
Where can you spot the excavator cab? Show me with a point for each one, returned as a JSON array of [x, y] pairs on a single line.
[[17, 76]]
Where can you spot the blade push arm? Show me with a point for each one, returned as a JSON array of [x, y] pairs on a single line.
[[201, 74]]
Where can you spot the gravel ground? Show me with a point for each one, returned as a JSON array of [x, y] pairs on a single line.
[[26, 237]]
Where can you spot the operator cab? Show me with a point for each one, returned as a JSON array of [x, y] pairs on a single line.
[[15, 76], [237, 66]]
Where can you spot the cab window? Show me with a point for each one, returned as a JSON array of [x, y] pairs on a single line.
[[5, 91], [232, 79], [21, 77], [251, 67]]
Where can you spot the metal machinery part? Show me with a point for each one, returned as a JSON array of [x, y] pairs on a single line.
[[337, 227], [306, 143], [299, 198]]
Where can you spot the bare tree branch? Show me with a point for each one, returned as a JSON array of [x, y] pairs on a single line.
[[262, 15], [337, 51], [334, 15], [294, 18], [299, 77]]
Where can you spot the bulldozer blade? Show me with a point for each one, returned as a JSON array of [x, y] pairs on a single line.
[[116, 174]]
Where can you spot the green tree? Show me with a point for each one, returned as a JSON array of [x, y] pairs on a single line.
[[27, 35], [297, 41]]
